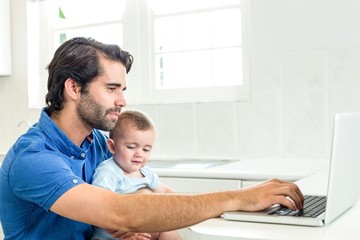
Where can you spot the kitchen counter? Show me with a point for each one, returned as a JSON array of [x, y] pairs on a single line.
[[209, 175], [247, 169], [345, 226]]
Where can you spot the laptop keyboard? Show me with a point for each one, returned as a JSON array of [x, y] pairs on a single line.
[[313, 207]]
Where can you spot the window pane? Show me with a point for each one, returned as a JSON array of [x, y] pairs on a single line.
[[167, 34], [196, 31], [84, 12], [98, 19], [170, 6], [226, 28], [227, 67], [197, 69], [184, 70], [169, 71], [107, 33], [209, 42]]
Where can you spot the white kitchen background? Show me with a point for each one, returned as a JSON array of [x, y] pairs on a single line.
[[304, 67]]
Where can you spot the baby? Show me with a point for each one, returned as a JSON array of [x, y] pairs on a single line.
[[126, 172]]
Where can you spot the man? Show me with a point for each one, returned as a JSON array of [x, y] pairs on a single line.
[[44, 179]]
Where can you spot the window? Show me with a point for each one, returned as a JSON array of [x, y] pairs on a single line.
[[193, 42], [197, 52], [99, 19], [184, 50]]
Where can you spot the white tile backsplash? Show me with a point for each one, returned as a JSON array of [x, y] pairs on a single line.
[[216, 129], [294, 96], [259, 125], [344, 68], [177, 130], [265, 71], [303, 70], [304, 124], [344, 99]]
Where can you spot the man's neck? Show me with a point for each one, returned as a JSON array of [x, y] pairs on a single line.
[[71, 125]]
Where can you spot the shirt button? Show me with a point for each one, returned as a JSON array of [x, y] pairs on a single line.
[[72, 157], [82, 155], [75, 181]]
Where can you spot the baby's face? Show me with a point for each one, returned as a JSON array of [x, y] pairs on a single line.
[[132, 148]]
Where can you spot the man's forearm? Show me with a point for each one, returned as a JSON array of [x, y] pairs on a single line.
[[164, 212]]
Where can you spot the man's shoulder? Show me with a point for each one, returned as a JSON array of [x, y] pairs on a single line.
[[33, 140]]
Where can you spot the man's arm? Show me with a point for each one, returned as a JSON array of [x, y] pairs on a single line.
[[155, 212]]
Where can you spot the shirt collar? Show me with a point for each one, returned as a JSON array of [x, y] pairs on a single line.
[[59, 139]]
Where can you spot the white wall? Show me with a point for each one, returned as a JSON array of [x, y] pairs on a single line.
[[304, 67]]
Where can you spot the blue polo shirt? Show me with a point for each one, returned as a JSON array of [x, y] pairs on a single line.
[[41, 166]]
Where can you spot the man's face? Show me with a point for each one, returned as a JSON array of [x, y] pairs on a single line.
[[101, 103]]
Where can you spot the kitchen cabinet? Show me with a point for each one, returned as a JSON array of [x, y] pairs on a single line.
[[245, 184], [198, 185], [5, 38]]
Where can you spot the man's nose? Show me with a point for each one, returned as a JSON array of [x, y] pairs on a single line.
[[121, 101]]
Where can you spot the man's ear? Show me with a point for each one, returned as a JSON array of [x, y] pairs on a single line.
[[111, 145], [72, 88]]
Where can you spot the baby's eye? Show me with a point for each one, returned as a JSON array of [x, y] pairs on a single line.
[[131, 147], [147, 149]]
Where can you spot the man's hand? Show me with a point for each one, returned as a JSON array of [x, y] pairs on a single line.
[[272, 192]]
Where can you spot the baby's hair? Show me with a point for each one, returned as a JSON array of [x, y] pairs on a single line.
[[134, 118]]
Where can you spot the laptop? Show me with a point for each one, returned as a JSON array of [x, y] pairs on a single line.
[[343, 171]]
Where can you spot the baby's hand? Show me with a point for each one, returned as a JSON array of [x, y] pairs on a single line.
[[130, 236], [144, 191]]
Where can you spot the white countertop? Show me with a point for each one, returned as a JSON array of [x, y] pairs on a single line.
[[248, 169], [251, 169], [345, 226]]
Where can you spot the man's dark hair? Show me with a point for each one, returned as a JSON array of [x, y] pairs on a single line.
[[79, 59]]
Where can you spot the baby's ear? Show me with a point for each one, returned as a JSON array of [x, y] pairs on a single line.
[[111, 145]]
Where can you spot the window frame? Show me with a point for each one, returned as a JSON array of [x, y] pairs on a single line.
[[141, 79]]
